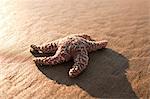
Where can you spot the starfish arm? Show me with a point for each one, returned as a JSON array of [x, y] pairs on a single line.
[[80, 63], [46, 48], [95, 45], [59, 57], [85, 36]]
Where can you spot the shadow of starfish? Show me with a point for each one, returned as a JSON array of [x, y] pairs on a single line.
[[104, 77]]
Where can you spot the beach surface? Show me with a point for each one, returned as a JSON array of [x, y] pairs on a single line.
[[122, 70]]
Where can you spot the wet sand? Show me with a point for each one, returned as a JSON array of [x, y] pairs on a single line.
[[122, 70]]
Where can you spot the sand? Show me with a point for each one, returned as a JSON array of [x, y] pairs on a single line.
[[122, 70]]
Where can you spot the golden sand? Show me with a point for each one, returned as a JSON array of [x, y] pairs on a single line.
[[120, 71]]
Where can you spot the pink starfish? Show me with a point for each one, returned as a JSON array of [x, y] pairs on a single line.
[[74, 47]]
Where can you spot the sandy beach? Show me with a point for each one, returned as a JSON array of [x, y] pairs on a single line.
[[122, 70]]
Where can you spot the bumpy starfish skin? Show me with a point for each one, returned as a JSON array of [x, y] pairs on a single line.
[[74, 47]]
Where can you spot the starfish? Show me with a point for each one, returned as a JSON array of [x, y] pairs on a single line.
[[74, 47]]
